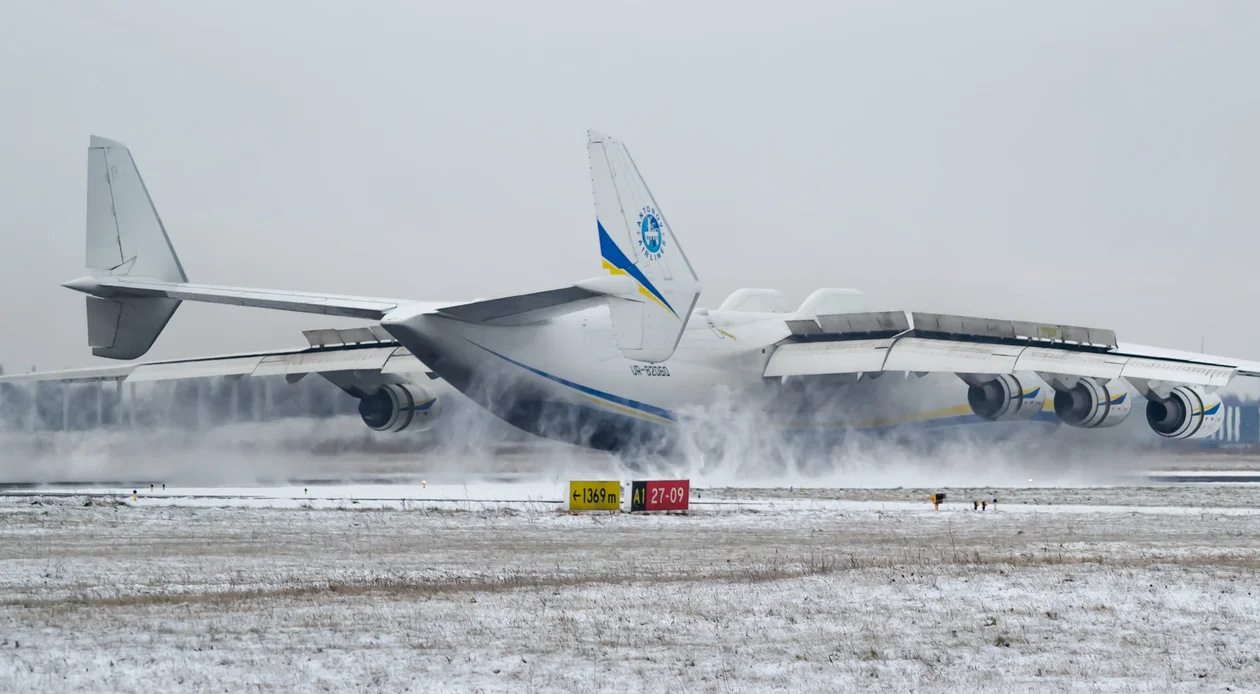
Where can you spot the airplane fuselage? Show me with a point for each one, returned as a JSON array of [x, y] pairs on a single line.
[[565, 379]]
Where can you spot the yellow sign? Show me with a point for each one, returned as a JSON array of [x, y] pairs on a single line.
[[595, 496]]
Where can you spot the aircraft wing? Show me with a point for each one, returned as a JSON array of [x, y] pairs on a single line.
[[356, 349], [871, 343]]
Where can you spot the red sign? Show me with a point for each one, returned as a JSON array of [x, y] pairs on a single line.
[[660, 495]]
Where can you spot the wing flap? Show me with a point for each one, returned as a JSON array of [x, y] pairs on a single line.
[[1244, 367], [919, 354], [91, 375], [817, 358], [1145, 369], [238, 366], [403, 362], [1059, 361], [371, 359]]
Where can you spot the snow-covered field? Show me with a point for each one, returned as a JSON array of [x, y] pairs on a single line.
[[789, 590]]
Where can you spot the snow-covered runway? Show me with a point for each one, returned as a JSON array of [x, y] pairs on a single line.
[[491, 587]]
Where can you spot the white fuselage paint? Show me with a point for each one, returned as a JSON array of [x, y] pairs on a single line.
[[572, 363]]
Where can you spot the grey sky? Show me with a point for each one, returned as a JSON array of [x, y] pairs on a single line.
[[1095, 163]]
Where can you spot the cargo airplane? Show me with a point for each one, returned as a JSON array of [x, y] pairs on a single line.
[[623, 361]]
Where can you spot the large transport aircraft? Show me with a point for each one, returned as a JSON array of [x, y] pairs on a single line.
[[624, 361]]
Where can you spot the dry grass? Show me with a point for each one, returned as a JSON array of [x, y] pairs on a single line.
[[386, 587], [143, 599], [815, 564]]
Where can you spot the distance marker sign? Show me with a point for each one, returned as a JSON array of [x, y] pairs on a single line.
[[587, 495], [660, 495]]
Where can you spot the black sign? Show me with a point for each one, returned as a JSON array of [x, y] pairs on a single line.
[[638, 496]]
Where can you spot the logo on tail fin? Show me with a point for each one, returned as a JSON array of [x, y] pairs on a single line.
[[651, 239]]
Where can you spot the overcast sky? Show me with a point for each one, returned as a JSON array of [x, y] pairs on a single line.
[[1081, 162]]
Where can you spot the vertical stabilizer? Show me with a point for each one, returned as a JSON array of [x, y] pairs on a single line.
[[636, 240], [125, 237]]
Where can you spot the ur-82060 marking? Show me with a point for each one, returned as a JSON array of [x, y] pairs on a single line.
[[648, 370]]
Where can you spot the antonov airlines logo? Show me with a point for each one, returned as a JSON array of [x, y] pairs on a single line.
[[651, 240]]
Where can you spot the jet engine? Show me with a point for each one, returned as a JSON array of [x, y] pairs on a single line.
[[1091, 404], [1187, 413], [394, 407], [1005, 398]]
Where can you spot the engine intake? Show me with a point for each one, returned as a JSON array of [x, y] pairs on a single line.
[[1005, 398], [1187, 413], [395, 407], [1090, 404]]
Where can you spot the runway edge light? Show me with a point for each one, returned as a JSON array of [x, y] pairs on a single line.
[[936, 500]]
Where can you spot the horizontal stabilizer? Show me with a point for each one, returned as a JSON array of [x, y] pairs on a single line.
[[126, 329], [300, 302], [524, 308], [137, 280], [383, 357]]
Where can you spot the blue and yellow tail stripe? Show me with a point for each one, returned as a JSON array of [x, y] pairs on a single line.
[[616, 262]]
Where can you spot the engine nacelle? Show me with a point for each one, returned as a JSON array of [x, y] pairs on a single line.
[[394, 407], [1091, 405], [1187, 413], [1006, 399]]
